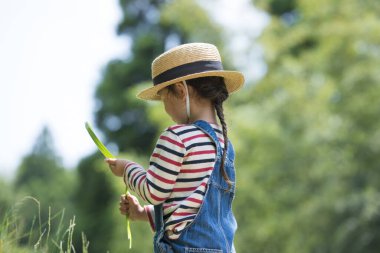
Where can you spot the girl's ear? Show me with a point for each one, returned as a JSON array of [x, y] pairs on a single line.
[[180, 90]]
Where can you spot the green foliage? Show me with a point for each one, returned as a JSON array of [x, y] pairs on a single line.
[[43, 235], [122, 120], [308, 147], [41, 176], [190, 23], [6, 197], [277, 7]]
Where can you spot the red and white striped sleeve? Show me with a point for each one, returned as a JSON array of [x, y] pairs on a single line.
[[156, 184]]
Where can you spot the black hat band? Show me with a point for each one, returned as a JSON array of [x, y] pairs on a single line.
[[187, 69]]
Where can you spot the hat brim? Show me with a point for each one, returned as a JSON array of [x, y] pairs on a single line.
[[234, 80]]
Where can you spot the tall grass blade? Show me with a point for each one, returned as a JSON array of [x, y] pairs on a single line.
[[85, 243]]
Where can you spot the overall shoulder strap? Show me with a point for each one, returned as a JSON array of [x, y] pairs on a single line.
[[207, 128]]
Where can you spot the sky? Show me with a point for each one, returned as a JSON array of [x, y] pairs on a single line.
[[52, 54]]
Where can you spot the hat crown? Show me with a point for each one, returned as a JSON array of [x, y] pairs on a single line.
[[184, 54]]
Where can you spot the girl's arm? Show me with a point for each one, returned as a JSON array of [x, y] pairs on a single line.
[[155, 185]]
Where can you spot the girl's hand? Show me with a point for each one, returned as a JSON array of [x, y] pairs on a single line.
[[129, 205], [117, 166]]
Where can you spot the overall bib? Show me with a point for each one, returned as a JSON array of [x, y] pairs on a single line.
[[214, 227]]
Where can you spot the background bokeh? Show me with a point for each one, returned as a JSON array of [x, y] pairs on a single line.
[[306, 126]]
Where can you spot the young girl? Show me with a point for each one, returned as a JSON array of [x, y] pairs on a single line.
[[190, 182]]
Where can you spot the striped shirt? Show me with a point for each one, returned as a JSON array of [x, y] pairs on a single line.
[[179, 169]]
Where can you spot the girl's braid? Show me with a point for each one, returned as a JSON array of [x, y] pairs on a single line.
[[219, 112], [213, 88]]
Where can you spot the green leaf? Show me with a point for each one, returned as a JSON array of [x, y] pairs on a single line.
[[98, 143]]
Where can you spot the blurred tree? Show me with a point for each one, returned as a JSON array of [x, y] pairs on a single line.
[[41, 176], [277, 8], [42, 163], [309, 144]]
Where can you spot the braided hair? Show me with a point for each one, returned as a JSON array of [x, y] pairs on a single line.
[[214, 89]]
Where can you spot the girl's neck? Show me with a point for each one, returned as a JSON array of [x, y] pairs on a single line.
[[203, 111]]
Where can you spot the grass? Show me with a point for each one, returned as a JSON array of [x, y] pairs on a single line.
[[19, 234]]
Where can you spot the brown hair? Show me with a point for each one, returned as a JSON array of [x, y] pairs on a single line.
[[214, 89]]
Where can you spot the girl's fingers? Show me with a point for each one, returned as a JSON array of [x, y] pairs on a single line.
[[124, 207], [128, 205], [132, 198], [122, 211], [110, 161], [123, 199], [124, 204]]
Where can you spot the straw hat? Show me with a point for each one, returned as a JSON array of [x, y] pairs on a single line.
[[189, 61]]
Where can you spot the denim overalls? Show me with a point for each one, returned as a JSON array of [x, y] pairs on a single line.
[[214, 227]]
